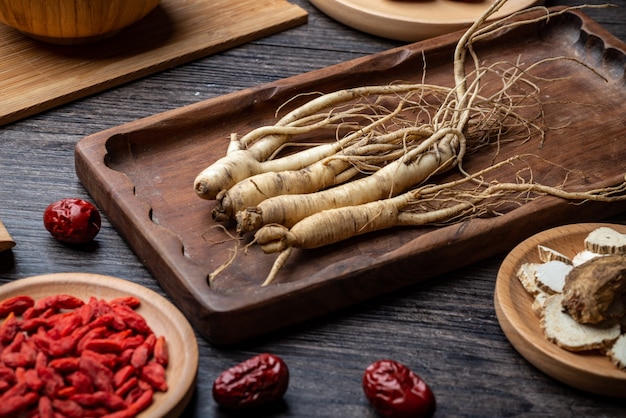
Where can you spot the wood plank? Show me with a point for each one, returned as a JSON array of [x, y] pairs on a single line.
[[36, 76]]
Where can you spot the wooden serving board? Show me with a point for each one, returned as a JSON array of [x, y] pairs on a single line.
[[141, 175], [413, 20], [36, 76]]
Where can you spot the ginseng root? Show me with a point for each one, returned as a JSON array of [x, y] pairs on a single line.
[[334, 225]]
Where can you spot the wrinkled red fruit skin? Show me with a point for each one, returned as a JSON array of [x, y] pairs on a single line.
[[72, 221], [258, 381], [396, 392]]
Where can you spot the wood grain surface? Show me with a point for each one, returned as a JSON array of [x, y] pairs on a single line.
[[444, 328], [37, 76]]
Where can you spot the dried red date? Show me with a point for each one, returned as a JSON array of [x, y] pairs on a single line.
[[258, 381], [397, 392], [72, 221]]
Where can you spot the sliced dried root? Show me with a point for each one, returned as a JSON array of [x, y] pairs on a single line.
[[617, 352], [550, 276], [605, 240], [581, 302], [548, 254], [561, 329]]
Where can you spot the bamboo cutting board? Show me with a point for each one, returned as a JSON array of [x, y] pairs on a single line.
[[141, 176], [35, 76]]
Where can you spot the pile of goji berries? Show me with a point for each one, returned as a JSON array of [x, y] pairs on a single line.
[[63, 356]]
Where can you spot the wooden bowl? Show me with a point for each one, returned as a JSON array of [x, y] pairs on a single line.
[[590, 371], [163, 317], [72, 21]]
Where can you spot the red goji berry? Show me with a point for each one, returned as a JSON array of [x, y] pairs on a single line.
[[144, 401], [44, 408], [154, 374], [66, 392], [52, 381], [16, 304], [130, 301], [85, 312], [11, 407], [161, 354], [101, 376], [31, 325], [104, 345], [32, 380], [65, 365], [125, 356], [7, 375], [122, 375], [96, 332], [132, 319], [126, 387], [81, 382], [140, 356], [9, 329], [64, 324], [107, 360], [56, 302], [109, 400], [133, 341], [121, 335], [68, 408]]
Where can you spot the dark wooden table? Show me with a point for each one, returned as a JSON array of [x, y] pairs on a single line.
[[445, 329]]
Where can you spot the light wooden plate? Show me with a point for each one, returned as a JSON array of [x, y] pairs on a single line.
[[163, 317], [412, 20], [590, 371]]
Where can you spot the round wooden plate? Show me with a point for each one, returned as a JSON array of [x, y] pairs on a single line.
[[161, 315], [590, 371], [412, 20]]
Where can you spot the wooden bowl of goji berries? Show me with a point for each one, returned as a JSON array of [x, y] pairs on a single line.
[[81, 344]]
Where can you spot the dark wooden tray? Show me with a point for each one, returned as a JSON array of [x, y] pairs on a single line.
[[141, 175]]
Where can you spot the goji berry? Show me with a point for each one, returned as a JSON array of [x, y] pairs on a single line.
[[133, 341], [8, 329], [65, 365], [99, 398], [123, 389], [44, 408], [131, 318], [68, 408], [130, 301], [161, 354], [154, 374], [61, 301], [16, 304], [71, 358], [101, 376], [104, 345], [122, 375], [11, 407], [81, 382]]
